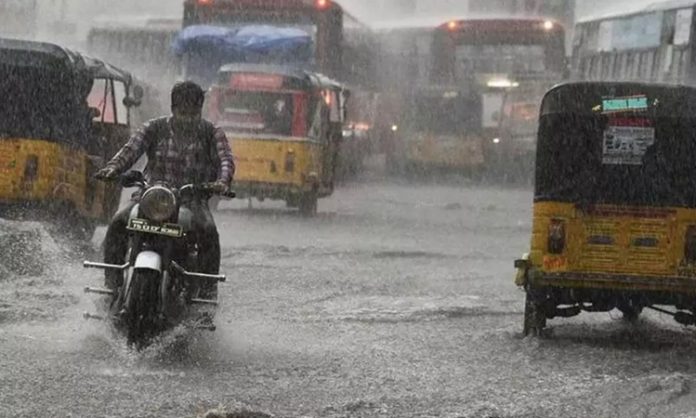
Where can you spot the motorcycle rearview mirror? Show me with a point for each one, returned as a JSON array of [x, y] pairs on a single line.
[[132, 178]]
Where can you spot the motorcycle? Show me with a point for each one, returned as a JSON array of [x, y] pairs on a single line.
[[160, 288]]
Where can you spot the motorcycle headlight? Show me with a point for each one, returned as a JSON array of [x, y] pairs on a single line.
[[158, 203]]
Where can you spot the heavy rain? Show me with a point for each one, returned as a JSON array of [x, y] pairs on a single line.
[[347, 208]]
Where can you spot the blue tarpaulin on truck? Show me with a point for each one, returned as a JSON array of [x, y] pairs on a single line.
[[254, 43]]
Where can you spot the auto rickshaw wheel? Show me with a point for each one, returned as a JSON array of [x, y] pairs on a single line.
[[308, 204], [534, 316]]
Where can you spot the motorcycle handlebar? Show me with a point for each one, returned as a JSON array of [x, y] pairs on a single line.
[[136, 179], [208, 188]]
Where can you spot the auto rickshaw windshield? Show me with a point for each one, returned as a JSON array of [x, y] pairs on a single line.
[[262, 112], [596, 147]]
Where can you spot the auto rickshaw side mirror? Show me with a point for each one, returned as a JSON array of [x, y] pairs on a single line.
[[94, 113], [135, 98]]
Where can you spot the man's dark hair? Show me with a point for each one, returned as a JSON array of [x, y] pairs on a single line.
[[187, 94]]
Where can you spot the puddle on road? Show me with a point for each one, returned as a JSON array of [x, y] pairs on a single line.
[[404, 309], [264, 256], [408, 254]]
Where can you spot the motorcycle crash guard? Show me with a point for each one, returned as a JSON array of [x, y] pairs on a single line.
[[148, 260]]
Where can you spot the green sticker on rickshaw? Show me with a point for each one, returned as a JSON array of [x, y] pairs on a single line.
[[625, 104]]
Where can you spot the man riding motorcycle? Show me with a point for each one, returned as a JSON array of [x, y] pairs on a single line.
[[181, 149]]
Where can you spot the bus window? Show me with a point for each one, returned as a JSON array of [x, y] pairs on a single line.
[[648, 45], [594, 67], [656, 65], [623, 69], [607, 65]]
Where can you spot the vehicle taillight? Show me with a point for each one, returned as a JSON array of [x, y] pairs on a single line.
[[323, 4], [290, 161], [557, 236], [205, 2], [31, 168], [690, 245]]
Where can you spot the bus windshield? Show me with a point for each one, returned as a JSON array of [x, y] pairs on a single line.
[[450, 114], [499, 59], [465, 50]]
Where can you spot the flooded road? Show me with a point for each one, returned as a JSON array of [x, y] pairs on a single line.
[[397, 301]]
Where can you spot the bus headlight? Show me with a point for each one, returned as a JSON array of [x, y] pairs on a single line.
[[158, 203]]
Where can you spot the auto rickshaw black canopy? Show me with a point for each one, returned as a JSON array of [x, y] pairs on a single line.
[[48, 85], [617, 143]]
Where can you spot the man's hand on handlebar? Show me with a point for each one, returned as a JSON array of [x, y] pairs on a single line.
[[219, 187], [106, 173]]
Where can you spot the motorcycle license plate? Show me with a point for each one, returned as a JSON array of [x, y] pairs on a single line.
[[143, 225]]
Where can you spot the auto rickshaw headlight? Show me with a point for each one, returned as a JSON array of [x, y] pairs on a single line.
[[158, 203]]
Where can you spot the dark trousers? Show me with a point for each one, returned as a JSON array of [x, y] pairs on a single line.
[[116, 241]]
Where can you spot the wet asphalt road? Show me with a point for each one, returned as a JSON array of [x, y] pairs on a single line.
[[396, 301]]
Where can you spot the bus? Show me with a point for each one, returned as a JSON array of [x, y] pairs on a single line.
[[141, 44], [342, 45], [473, 65], [653, 44]]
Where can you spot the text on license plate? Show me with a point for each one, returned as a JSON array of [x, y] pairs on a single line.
[[142, 225]]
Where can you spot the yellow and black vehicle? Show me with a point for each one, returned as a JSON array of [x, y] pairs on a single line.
[[62, 116], [285, 128], [615, 203]]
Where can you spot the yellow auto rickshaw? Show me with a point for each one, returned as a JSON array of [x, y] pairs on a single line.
[[62, 116], [285, 128], [615, 203]]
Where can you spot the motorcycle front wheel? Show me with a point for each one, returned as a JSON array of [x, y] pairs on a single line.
[[141, 315]]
